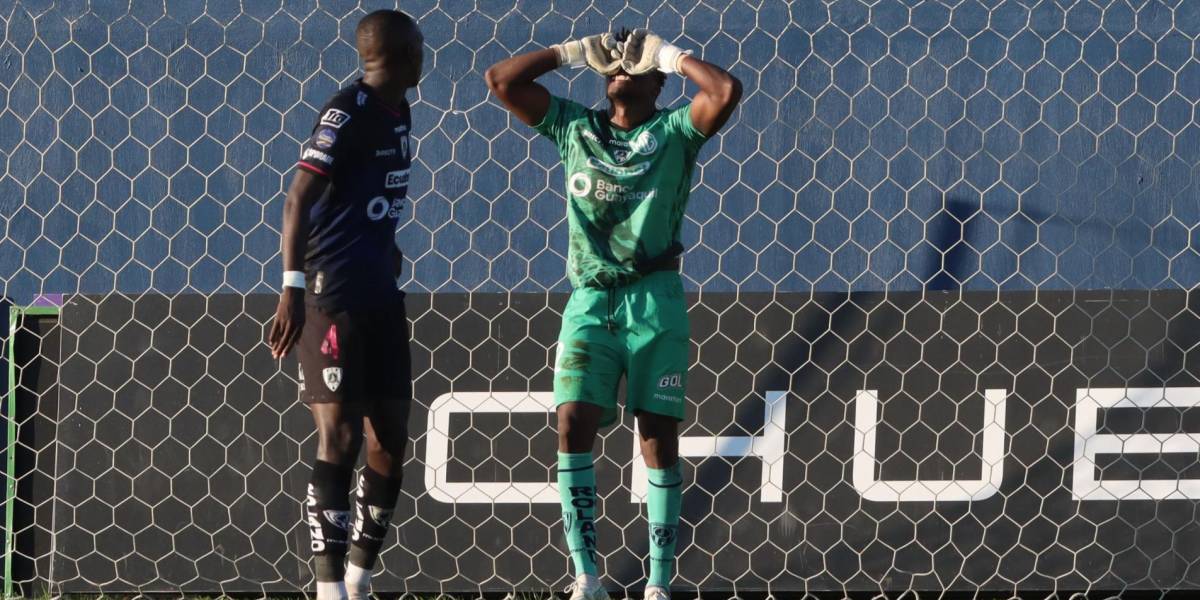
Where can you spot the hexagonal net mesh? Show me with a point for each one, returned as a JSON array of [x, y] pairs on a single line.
[[939, 269]]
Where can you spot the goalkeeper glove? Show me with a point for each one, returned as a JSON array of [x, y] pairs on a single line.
[[643, 52], [598, 52]]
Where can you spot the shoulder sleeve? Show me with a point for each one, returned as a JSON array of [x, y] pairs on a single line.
[[559, 116], [679, 123], [327, 146]]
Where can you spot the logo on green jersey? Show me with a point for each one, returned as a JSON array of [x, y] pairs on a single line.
[[644, 143], [617, 171], [579, 184]]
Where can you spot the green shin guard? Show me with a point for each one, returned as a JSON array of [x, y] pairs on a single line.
[[662, 505], [577, 490]]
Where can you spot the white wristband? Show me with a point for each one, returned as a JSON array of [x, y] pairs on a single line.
[[293, 279], [669, 57], [570, 54]]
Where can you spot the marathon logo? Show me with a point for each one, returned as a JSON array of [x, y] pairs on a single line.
[[334, 118], [380, 515], [337, 518], [595, 138]]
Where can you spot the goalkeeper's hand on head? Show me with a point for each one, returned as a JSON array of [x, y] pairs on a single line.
[[643, 52], [600, 53]]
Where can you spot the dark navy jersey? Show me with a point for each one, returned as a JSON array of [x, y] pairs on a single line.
[[361, 144]]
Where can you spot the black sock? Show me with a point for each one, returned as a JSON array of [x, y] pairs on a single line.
[[327, 512], [372, 516]]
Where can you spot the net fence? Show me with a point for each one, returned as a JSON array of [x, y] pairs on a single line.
[[939, 269]]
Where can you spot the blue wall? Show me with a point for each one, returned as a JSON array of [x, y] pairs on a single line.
[[987, 145]]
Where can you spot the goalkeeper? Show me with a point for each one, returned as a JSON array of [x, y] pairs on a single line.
[[628, 174]]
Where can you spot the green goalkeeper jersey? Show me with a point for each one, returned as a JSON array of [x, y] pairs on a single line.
[[626, 190]]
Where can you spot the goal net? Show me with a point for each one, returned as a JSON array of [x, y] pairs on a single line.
[[939, 269]]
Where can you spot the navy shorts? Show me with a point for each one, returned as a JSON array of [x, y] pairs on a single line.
[[355, 356]]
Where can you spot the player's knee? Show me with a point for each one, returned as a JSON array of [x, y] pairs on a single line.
[[652, 426], [659, 440], [338, 444], [659, 453], [576, 428], [389, 443]]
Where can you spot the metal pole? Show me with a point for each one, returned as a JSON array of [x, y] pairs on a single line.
[[10, 460]]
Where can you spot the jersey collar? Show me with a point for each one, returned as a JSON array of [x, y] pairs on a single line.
[[371, 96]]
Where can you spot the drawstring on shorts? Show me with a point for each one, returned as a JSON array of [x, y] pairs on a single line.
[[612, 307]]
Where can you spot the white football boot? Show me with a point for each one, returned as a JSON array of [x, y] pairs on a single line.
[[587, 587], [331, 590], [358, 582], [654, 592]]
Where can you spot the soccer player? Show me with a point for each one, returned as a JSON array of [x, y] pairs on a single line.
[[628, 174], [340, 303]]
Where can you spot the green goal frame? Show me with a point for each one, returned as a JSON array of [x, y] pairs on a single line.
[[15, 316]]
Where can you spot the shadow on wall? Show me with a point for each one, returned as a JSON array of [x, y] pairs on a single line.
[[968, 239]]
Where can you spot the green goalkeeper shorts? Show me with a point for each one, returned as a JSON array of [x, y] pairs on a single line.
[[640, 331]]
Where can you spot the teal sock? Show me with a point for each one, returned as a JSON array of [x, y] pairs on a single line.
[[577, 490], [662, 506]]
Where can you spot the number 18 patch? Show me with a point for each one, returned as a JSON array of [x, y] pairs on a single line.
[[334, 118]]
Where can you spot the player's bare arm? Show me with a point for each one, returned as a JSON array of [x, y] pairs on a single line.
[[307, 187], [718, 96], [644, 52], [512, 80]]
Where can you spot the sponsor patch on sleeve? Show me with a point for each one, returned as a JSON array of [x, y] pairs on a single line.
[[334, 118], [317, 155], [325, 138]]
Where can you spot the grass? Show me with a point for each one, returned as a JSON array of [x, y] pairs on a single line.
[[406, 596]]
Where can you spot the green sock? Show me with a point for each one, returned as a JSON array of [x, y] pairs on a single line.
[[577, 490], [662, 506]]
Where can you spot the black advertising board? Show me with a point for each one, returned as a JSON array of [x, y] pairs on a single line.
[[965, 441]]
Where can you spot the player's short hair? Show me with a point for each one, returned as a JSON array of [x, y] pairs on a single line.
[[385, 20], [385, 26]]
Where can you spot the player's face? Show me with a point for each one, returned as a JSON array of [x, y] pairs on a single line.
[[633, 88], [410, 56]]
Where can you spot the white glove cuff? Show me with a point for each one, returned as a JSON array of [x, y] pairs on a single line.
[[293, 279], [669, 57], [570, 54]]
